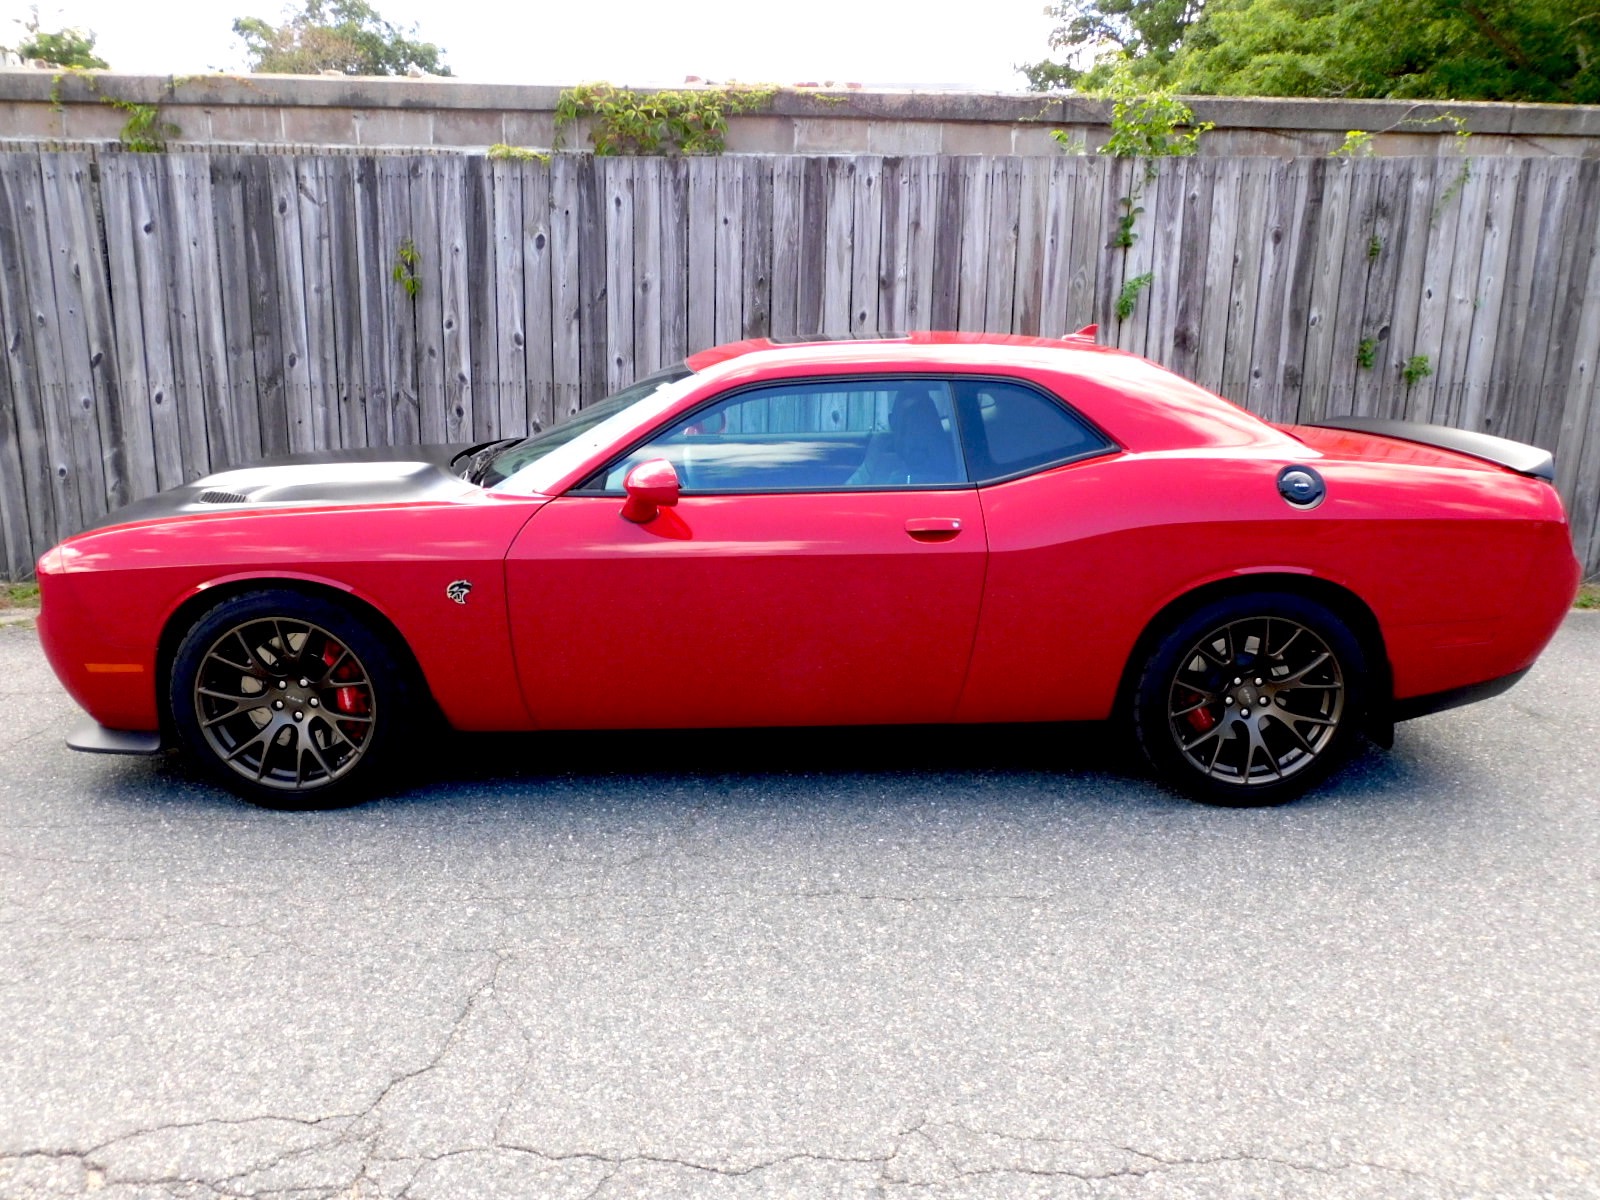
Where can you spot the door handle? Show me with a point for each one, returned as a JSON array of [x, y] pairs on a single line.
[[933, 529]]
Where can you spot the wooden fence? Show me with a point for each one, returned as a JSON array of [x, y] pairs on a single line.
[[167, 315]]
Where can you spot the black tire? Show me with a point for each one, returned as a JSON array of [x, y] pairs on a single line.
[[1251, 700], [291, 700]]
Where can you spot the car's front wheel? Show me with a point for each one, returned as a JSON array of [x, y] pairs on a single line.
[[1251, 700], [291, 700]]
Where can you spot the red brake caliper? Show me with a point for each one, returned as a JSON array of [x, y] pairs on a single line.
[[1200, 718], [351, 700]]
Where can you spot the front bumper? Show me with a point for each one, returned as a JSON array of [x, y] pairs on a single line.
[[94, 738]]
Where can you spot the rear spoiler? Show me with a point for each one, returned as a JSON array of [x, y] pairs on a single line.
[[1503, 452]]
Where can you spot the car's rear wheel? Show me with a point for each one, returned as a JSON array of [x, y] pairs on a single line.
[[289, 699], [1251, 700]]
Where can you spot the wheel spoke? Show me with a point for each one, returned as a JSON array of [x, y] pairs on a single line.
[[241, 704], [265, 735], [310, 744], [1294, 677], [259, 664], [1286, 716], [1298, 736], [1216, 731], [1257, 741], [1293, 637]]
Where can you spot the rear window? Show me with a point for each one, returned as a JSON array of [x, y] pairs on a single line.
[[1011, 429]]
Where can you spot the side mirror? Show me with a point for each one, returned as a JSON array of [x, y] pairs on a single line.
[[651, 486]]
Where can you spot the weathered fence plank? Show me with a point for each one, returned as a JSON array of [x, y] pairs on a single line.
[[757, 248], [30, 348], [164, 316], [68, 295], [339, 179], [427, 286], [618, 199], [372, 293], [75, 227], [566, 287], [122, 269]]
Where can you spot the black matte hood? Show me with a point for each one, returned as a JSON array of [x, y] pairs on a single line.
[[374, 475]]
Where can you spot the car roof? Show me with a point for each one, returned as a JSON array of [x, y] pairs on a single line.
[[876, 346], [1140, 404]]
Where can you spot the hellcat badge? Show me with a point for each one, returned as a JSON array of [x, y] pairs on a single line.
[[458, 590]]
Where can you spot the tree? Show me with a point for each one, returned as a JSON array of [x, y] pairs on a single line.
[[60, 48], [1539, 50], [1097, 33], [336, 35]]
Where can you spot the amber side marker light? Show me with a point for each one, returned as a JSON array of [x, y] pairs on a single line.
[[114, 668]]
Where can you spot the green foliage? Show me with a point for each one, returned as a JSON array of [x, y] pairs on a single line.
[[1588, 596], [1538, 50], [19, 594], [1417, 367], [1374, 247], [1454, 190], [1104, 31], [336, 35], [1128, 298], [1131, 208], [501, 150], [72, 48], [1047, 76], [1070, 143], [1357, 144], [1544, 50], [145, 130], [405, 267], [1148, 122], [674, 122], [1367, 353]]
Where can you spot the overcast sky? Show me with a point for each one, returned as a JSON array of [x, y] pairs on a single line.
[[924, 43]]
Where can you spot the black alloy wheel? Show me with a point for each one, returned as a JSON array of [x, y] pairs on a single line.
[[289, 699], [1251, 700]]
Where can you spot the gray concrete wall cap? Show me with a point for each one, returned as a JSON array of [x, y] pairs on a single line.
[[438, 94]]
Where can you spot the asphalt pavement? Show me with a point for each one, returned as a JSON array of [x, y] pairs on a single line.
[[960, 963]]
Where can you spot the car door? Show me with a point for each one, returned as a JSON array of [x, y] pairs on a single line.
[[1053, 637], [824, 565]]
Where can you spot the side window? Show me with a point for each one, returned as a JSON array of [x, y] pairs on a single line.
[[810, 436], [1009, 428]]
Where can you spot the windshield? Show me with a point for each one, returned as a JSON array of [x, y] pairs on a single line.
[[569, 432]]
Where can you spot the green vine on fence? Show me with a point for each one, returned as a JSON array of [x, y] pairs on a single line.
[[691, 121], [501, 151], [406, 260], [1145, 125], [1416, 369], [1128, 298], [146, 130]]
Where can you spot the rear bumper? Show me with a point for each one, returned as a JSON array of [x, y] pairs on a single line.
[[1421, 706]]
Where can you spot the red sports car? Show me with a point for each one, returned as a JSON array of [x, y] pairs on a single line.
[[928, 529]]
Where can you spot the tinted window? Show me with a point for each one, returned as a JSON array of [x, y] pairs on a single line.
[[812, 436], [1010, 428]]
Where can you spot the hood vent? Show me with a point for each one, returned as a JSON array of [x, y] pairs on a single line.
[[216, 497]]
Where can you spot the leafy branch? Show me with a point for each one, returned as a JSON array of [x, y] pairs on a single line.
[[672, 122]]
